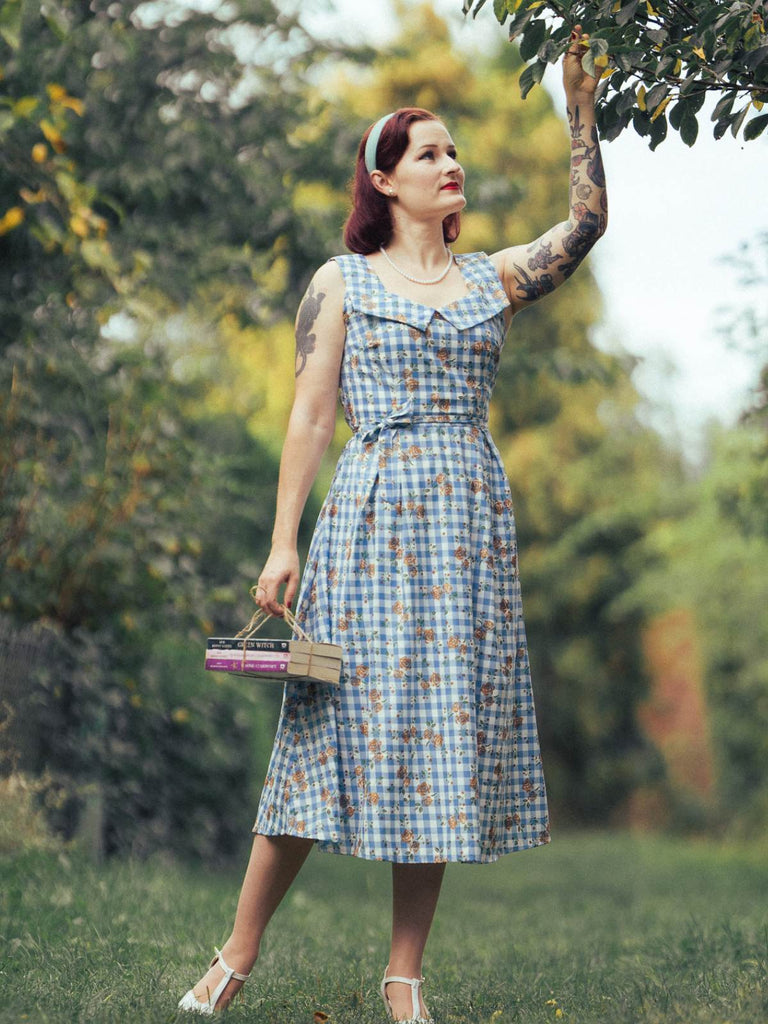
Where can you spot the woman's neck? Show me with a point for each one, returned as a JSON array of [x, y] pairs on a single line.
[[418, 245]]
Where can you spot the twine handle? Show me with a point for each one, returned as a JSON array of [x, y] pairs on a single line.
[[261, 615], [290, 618]]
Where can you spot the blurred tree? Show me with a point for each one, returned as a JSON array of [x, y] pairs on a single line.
[[147, 192], [651, 54], [710, 555]]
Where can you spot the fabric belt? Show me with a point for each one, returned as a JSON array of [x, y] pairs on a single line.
[[405, 416]]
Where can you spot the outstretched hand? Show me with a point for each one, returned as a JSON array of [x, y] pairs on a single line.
[[575, 78]]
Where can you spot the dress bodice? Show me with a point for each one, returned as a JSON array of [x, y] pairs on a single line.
[[405, 358]]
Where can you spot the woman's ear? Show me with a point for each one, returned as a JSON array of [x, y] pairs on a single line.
[[381, 184]]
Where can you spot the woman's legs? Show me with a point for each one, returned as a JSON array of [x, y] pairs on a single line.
[[415, 891], [274, 863]]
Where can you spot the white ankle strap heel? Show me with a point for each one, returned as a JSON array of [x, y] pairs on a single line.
[[415, 984], [192, 1003]]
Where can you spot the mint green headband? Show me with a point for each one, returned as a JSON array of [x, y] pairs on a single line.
[[372, 143]]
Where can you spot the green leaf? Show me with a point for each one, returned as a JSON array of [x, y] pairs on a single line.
[[627, 13], [500, 9], [696, 99], [738, 120], [658, 131], [533, 37], [655, 96], [709, 16], [689, 128], [721, 128], [626, 100], [550, 50], [531, 76], [723, 106], [676, 114], [519, 23], [10, 23], [641, 122], [756, 126]]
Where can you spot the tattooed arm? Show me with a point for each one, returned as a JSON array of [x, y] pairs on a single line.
[[530, 271], [320, 335]]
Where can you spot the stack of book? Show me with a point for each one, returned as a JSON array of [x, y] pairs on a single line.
[[274, 659]]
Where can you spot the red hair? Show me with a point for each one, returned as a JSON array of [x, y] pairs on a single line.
[[369, 225]]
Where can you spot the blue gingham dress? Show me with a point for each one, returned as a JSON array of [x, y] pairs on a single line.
[[428, 750]]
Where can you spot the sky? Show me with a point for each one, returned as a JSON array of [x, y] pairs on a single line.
[[674, 214]]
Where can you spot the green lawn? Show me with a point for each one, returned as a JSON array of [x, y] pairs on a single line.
[[601, 927]]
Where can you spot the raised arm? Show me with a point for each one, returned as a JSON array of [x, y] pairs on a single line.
[[532, 270], [320, 335]]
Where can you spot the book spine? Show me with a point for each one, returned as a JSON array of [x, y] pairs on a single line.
[[220, 644], [223, 661]]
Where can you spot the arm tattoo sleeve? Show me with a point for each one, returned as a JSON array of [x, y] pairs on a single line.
[[305, 338], [552, 258]]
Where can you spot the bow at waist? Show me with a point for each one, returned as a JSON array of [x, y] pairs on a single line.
[[405, 416]]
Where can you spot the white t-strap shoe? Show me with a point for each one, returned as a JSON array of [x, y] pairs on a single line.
[[192, 1003], [415, 983]]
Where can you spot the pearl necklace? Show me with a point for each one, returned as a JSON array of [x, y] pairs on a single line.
[[416, 280]]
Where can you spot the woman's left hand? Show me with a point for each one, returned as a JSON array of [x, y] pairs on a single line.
[[575, 78]]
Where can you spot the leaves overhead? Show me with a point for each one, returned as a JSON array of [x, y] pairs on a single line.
[[657, 59]]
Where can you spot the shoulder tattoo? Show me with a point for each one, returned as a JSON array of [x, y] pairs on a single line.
[[305, 338]]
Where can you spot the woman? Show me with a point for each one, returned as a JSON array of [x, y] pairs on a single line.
[[428, 751]]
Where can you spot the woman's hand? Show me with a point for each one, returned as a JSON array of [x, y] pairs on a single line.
[[575, 79], [282, 566]]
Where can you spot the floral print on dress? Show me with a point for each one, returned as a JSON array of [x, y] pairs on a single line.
[[428, 750]]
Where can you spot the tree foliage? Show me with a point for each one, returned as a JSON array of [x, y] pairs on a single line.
[[657, 59], [144, 192]]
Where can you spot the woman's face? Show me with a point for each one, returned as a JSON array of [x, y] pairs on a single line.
[[428, 181]]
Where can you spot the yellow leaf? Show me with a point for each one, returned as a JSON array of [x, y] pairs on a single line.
[[758, 104], [33, 197], [641, 97], [660, 108], [607, 73], [650, 10], [25, 106], [79, 226], [699, 52], [616, 7], [601, 61], [39, 152], [678, 67], [55, 92], [53, 135], [11, 219], [74, 104]]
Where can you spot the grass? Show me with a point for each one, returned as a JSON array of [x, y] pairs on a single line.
[[602, 927]]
